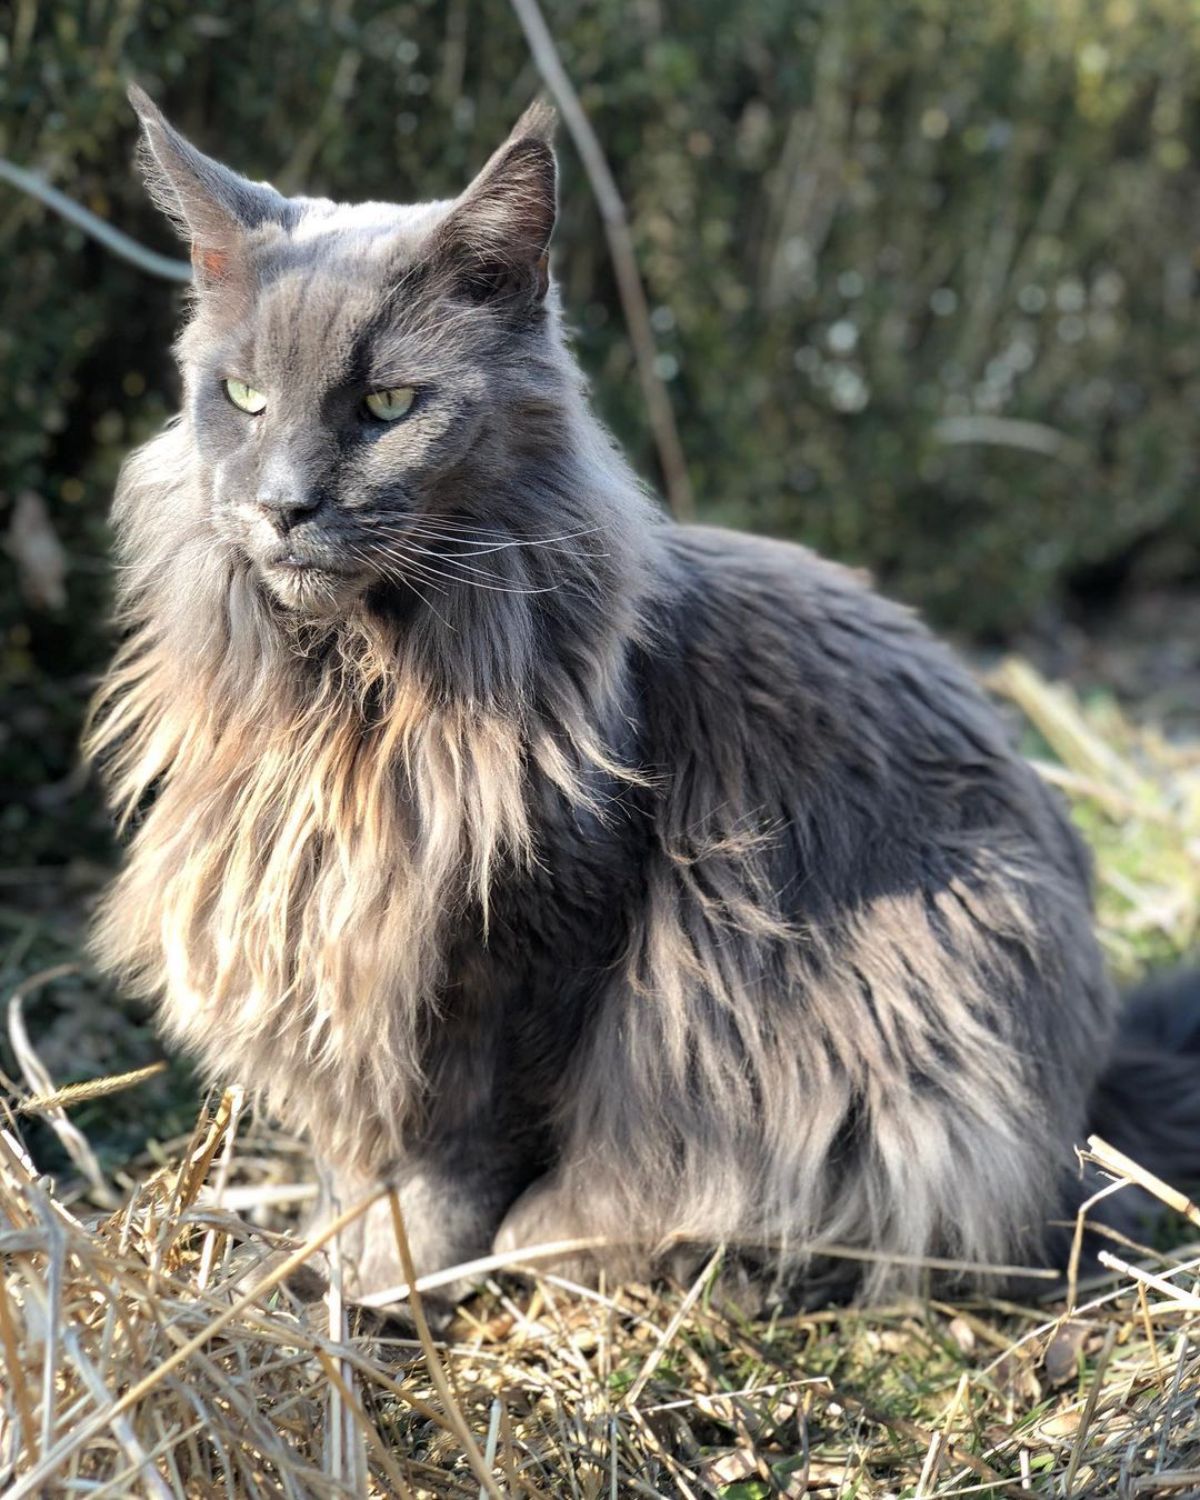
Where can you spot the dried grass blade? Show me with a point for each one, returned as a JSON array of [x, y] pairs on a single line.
[[437, 1372], [386, 1462], [94, 1088], [1180, 1300], [1056, 716], [236, 1095], [1121, 1165], [668, 1334], [1089, 1411], [16, 1383], [83, 1434], [36, 1075], [195, 1167], [139, 1459]]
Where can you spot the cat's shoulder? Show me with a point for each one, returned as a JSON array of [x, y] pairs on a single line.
[[754, 626], [742, 581]]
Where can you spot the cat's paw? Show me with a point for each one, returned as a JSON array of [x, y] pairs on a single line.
[[546, 1215]]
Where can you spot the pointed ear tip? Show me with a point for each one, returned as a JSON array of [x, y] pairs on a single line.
[[143, 106], [539, 122]]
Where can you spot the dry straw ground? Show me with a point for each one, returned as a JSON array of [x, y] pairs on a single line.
[[153, 1344]]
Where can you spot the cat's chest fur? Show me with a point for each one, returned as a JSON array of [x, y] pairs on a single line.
[[306, 893]]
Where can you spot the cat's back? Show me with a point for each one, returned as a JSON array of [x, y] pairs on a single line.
[[805, 644], [809, 690]]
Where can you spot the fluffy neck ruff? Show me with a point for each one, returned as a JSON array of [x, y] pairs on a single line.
[[322, 809]]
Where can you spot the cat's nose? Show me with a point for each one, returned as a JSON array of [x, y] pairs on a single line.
[[286, 505]]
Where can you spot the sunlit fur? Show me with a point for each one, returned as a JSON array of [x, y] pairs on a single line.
[[581, 873], [322, 811]]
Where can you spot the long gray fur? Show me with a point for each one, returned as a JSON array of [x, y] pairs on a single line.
[[586, 875]]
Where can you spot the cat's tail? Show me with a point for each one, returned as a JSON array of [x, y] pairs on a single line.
[[1147, 1103]]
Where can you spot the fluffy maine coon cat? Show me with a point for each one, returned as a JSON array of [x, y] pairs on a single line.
[[582, 873]]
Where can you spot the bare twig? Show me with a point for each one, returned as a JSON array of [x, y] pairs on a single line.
[[620, 245], [1123, 1166], [1009, 432], [112, 239]]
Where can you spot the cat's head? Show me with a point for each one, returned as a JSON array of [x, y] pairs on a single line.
[[360, 380]]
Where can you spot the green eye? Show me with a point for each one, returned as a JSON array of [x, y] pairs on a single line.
[[245, 397], [391, 405]]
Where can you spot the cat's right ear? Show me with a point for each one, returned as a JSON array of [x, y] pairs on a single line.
[[495, 241], [211, 206]]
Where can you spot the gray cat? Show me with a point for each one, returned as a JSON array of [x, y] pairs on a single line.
[[588, 876]]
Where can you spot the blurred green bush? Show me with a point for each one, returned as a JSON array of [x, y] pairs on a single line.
[[923, 272]]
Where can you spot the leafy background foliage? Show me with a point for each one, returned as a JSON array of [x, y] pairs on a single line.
[[870, 230], [874, 232]]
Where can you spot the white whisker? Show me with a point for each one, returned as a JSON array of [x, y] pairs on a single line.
[[410, 557]]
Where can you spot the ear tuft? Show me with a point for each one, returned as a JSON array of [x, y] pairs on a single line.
[[539, 122], [143, 106]]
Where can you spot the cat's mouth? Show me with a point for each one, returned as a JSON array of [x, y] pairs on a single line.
[[298, 564], [310, 582]]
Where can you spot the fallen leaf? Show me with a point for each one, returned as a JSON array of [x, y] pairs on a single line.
[[730, 1466], [1061, 1359], [1060, 1424]]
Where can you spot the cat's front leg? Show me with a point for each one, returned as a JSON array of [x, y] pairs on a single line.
[[449, 1216]]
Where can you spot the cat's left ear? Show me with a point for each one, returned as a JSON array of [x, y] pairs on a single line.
[[211, 206], [496, 238]]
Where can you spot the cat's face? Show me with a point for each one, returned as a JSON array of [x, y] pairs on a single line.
[[330, 422], [352, 374]]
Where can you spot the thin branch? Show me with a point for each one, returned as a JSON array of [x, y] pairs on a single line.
[[112, 239], [1009, 432], [1121, 1165], [620, 245]]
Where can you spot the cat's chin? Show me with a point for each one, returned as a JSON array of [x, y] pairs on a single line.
[[316, 592]]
